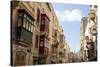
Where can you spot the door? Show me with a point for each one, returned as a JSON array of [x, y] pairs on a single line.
[[20, 58]]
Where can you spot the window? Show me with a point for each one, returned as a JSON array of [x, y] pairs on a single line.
[[61, 38], [55, 33], [25, 20], [38, 15], [25, 15], [24, 23], [44, 26], [31, 28], [52, 62], [60, 61], [27, 23], [60, 53], [85, 51], [41, 43]]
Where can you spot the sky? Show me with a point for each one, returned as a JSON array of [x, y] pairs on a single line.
[[69, 17]]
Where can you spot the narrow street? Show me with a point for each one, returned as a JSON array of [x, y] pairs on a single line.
[[42, 35]]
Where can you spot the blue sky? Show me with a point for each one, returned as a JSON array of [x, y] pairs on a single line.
[[69, 17]]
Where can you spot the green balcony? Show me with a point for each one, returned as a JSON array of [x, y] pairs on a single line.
[[24, 36]]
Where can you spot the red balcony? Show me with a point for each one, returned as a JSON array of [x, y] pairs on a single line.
[[44, 25]]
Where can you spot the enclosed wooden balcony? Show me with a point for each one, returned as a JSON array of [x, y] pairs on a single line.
[[24, 36]]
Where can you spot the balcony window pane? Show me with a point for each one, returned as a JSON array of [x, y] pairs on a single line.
[[27, 25], [24, 22], [31, 28], [25, 16], [41, 43], [30, 21]]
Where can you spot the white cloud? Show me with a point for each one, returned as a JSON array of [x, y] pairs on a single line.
[[69, 15]]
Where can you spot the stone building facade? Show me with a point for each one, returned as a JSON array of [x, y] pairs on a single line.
[[35, 34], [88, 41], [22, 22]]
